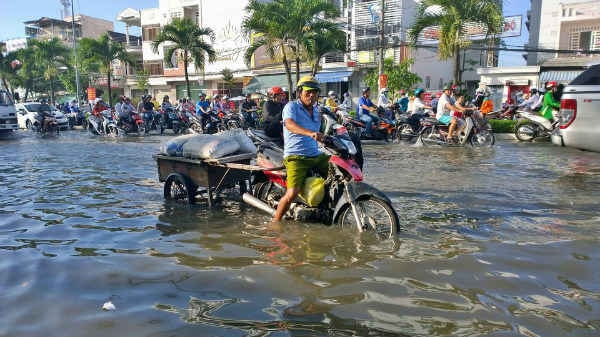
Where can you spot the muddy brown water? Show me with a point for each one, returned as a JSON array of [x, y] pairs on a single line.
[[496, 242]]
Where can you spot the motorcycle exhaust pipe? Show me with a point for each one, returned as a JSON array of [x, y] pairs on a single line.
[[253, 201]]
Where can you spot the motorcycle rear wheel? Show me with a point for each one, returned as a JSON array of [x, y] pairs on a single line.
[[383, 221], [404, 131], [525, 131], [113, 131]]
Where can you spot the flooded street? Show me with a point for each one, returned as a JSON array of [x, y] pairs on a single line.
[[500, 241]]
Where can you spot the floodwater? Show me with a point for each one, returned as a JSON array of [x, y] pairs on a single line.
[[500, 241]]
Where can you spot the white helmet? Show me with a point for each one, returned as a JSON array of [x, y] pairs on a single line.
[[225, 97], [331, 93], [384, 90]]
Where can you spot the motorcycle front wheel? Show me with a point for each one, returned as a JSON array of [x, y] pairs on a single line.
[[483, 138], [525, 131], [380, 217]]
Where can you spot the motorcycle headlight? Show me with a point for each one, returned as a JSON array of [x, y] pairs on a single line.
[[350, 146]]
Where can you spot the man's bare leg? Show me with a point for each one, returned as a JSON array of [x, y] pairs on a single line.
[[452, 127], [285, 202]]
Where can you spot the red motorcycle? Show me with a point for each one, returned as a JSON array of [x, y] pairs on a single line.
[[135, 124], [347, 200]]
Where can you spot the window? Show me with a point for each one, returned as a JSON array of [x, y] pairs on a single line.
[[585, 39], [441, 84], [154, 68], [150, 33], [427, 82]]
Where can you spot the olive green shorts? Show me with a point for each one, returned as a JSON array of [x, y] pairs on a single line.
[[298, 168]]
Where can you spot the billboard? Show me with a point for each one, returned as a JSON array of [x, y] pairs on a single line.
[[476, 31]]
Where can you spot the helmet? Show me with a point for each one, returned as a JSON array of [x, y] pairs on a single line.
[[402, 91], [308, 83], [225, 97], [533, 91], [419, 91], [99, 99], [165, 97], [201, 94], [384, 90], [275, 91], [551, 84], [365, 89], [331, 93], [43, 101]]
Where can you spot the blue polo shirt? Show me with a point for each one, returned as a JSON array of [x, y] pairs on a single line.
[[204, 104], [366, 101], [295, 144]]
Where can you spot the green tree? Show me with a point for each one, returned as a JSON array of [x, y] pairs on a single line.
[[50, 55], [103, 51], [142, 82], [399, 76], [265, 25], [7, 72], [452, 19], [185, 35], [297, 28]]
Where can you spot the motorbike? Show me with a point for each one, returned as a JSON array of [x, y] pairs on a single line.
[[384, 129], [476, 131], [103, 126], [152, 120], [212, 123], [408, 126], [169, 119], [232, 120], [76, 117], [348, 202], [134, 124], [51, 128], [531, 125]]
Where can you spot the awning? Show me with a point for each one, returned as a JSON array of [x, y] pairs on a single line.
[[333, 76], [563, 76], [262, 83]]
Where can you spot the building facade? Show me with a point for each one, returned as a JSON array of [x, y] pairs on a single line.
[[568, 25]]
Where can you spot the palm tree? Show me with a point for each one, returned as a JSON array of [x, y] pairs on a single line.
[[307, 21], [50, 54], [185, 35], [452, 18], [266, 27], [8, 69], [104, 51], [296, 26], [321, 42]]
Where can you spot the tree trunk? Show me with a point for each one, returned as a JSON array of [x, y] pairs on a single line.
[[288, 71], [185, 72], [52, 90], [109, 90], [315, 68], [457, 65]]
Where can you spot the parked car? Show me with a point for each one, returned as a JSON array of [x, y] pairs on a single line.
[[580, 112], [27, 112]]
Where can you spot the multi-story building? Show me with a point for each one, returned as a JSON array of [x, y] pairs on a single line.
[[167, 77], [567, 25], [85, 26]]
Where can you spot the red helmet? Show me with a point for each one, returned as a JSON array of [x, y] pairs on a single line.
[[275, 91], [551, 84]]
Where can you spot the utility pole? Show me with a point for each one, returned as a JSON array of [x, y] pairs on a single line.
[[75, 52], [381, 44]]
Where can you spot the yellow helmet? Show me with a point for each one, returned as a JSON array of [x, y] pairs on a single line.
[[308, 83]]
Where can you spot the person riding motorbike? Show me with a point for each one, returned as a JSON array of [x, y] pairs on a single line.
[[127, 110], [331, 101], [166, 104], [301, 133], [384, 102], [403, 101], [364, 109], [44, 114], [445, 113], [551, 104], [248, 108], [272, 113]]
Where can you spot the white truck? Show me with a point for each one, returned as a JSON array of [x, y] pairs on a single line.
[[8, 113], [580, 112]]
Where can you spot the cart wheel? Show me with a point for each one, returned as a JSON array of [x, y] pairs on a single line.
[[179, 188]]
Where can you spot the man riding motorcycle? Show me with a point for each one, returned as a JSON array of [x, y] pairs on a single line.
[[301, 134], [272, 113], [363, 110], [44, 114]]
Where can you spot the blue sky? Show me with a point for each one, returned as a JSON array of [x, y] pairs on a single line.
[[13, 16]]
